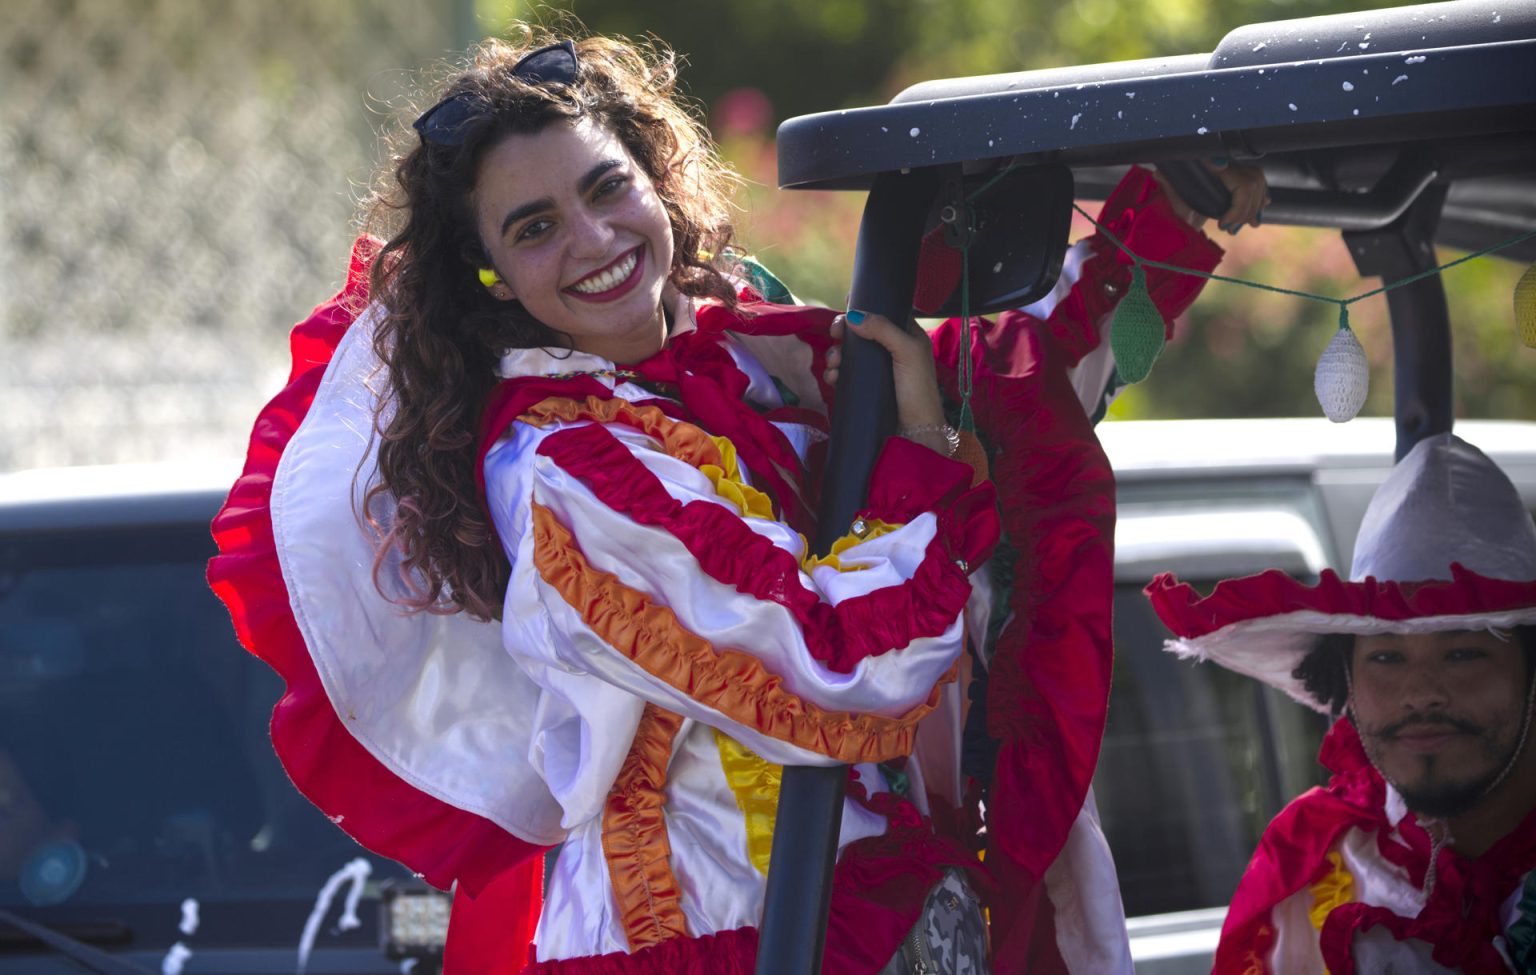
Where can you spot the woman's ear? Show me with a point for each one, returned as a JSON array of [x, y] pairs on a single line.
[[493, 283]]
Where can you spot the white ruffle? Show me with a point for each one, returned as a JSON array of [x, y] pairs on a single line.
[[433, 698]]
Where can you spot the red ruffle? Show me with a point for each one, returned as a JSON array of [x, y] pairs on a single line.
[[730, 552], [1189, 615], [1048, 682], [327, 764], [1460, 920]]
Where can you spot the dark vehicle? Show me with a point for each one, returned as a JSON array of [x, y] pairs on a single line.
[[142, 810], [136, 773]]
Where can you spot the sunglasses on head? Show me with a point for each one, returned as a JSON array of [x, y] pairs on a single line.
[[446, 123]]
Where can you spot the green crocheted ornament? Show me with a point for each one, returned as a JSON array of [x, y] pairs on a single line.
[[1136, 333], [1525, 307]]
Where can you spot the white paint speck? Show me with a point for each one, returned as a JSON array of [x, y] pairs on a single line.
[[1401, 77], [884, 129], [997, 268], [1364, 45], [1292, 105], [1416, 59], [189, 918], [915, 132], [175, 959], [1130, 94], [336, 819], [1074, 120], [1349, 86], [1259, 46], [1355, 110], [1119, 115], [1497, 17], [1202, 130], [356, 873]]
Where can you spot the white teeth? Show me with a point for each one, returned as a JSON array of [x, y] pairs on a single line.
[[609, 279]]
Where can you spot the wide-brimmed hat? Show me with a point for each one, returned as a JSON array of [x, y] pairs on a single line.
[[1445, 545]]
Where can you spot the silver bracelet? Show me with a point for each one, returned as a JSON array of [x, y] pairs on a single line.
[[951, 435]]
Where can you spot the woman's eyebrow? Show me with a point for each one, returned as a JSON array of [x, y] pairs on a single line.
[[583, 186]]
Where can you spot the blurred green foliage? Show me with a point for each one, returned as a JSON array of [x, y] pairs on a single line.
[[1239, 352]]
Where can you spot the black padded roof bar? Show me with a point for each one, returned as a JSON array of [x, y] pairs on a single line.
[[1466, 68]]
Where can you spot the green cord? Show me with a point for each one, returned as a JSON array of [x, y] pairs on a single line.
[[1343, 303]]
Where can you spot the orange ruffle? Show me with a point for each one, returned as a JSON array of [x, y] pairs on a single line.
[[682, 440], [732, 682], [635, 840]]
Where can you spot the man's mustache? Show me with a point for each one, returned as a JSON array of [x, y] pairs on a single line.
[[1436, 722]]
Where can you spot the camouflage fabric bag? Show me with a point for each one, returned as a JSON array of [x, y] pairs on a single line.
[[950, 937]]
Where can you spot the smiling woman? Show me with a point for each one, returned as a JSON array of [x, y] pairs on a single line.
[[584, 452], [576, 233]]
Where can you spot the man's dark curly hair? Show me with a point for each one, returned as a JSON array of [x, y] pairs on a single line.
[[1321, 671]]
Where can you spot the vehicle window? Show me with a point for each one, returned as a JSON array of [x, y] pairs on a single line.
[[133, 742], [1195, 762]]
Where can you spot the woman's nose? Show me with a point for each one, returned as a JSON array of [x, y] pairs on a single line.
[[591, 236]]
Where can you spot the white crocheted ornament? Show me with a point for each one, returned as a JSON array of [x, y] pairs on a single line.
[[1342, 378]]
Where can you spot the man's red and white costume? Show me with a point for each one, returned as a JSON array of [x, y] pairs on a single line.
[[1341, 879], [667, 643]]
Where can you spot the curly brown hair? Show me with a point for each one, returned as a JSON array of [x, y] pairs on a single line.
[[440, 334]]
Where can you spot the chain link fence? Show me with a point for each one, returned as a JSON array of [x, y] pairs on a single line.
[[180, 184]]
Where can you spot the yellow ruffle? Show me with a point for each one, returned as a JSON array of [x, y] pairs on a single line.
[[869, 528], [755, 781], [1337, 887], [726, 477]]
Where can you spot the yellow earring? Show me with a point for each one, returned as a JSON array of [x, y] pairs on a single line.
[[489, 277]]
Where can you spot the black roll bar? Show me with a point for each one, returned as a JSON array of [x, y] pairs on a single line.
[[794, 928], [1389, 199]]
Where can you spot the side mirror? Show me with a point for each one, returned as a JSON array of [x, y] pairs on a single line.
[[1017, 234]]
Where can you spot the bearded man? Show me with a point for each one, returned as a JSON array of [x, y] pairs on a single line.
[[1420, 853]]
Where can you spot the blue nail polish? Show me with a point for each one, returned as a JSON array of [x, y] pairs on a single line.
[[855, 317], [1218, 160]]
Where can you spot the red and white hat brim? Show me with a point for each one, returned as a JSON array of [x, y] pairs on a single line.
[[1264, 625]]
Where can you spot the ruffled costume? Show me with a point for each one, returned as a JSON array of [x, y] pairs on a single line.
[[667, 642], [1338, 881], [1043, 376], [1337, 885]]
